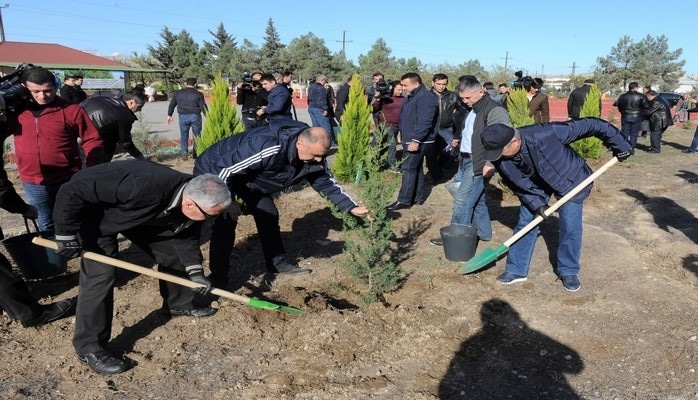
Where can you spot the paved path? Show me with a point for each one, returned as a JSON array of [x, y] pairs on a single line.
[[155, 114]]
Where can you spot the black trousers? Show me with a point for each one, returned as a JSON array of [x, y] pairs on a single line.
[[266, 218], [95, 307], [15, 297]]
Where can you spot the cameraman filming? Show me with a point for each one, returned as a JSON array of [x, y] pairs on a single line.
[[251, 96], [388, 110]]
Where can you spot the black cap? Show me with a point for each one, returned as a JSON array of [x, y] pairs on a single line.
[[589, 81], [494, 138]]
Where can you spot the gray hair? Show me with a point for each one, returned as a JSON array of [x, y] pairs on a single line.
[[469, 84], [208, 191]]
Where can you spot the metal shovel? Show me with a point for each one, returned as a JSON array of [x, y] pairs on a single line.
[[252, 302], [490, 255]]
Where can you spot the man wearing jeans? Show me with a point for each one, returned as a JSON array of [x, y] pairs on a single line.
[[631, 105], [318, 105], [46, 136], [190, 105], [469, 205], [537, 162]]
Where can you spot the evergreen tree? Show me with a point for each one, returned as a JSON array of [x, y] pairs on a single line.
[[355, 136], [590, 147], [161, 54], [271, 50], [517, 105], [220, 52], [222, 120], [378, 59], [368, 255], [306, 56]]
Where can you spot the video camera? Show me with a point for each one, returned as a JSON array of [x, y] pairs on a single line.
[[384, 88], [522, 82], [248, 83], [12, 93]]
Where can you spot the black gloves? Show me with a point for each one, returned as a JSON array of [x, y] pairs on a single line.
[[623, 155], [541, 211], [68, 246], [196, 274]]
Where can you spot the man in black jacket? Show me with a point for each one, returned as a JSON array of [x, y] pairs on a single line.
[[114, 119], [251, 96], [257, 164], [190, 105], [631, 105], [577, 98], [158, 210]]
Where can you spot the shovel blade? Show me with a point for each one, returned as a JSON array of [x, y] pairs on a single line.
[[485, 258], [267, 305]]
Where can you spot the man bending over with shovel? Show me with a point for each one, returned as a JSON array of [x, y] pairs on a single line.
[[158, 210], [536, 162]]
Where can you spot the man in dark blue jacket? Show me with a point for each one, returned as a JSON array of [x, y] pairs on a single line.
[[257, 164], [278, 101], [418, 118], [536, 162]]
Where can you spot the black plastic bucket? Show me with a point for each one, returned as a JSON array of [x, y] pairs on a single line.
[[460, 241], [35, 262]]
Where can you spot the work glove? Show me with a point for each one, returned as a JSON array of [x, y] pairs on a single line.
[[541, 211], [68, 246], [31, 212], [623, 155], [196, 274]]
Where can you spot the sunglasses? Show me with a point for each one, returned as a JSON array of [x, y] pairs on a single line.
[[206, 215]]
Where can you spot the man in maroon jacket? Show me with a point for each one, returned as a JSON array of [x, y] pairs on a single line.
[[46, 134]]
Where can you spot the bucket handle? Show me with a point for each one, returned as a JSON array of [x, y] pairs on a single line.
[[26, 224]]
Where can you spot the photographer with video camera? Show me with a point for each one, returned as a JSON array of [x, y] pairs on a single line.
[[388, 110], [46, 129], [251, 96]]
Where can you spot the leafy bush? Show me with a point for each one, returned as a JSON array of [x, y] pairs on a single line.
[[355, 137], [590, 147]]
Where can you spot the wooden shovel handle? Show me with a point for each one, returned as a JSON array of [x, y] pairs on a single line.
[[144, 271], [538, 219]]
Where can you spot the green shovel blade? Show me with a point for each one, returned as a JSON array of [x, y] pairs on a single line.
[[485, 258], [267, 305]]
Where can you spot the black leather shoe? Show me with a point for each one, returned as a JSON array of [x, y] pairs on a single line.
[[288, 268], [194, 312], [397, 206], [687, 151], [103, 363], [53, 312], [419, 202]]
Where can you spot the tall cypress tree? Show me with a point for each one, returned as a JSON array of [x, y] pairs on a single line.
[[355, 136]]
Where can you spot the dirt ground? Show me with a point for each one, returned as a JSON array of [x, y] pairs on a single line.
[[629, 333]]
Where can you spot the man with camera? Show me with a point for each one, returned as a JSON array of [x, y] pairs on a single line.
[[388, 110], [251, 96]]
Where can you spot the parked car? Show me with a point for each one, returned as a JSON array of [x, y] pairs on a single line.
[[672, 98]]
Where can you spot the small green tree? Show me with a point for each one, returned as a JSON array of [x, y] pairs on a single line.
[[517, 105], [355, 137], [590, 147], [222, 120], [368, 254]]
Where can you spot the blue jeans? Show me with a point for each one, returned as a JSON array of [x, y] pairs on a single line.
[[569, 248], [320, 120], [187, 121], [412, 188], [469, 204], [43, 197], [694, 142], [631, 126]]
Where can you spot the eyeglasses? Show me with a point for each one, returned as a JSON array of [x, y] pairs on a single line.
[[206, 215]]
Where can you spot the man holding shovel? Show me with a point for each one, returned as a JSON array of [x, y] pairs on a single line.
[[536, 162], [157, 209]]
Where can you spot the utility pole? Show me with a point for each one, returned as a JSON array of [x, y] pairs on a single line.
[[574, 67], [506, 60], [344, 41], [2, 26]]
